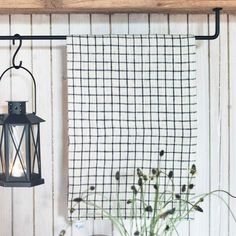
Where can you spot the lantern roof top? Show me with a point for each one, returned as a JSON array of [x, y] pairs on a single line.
[[20, 119]]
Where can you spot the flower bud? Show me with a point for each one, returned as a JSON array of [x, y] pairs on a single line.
[[193, 169], [92, 188], [117, 176], [177, 196], [78, 199], [135, 191], [162, 153], [198, 208], [191, 186], [171, 174], [148, 209], [140, 182], [183, 189]]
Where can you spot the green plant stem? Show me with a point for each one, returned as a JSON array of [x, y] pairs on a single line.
[[132, 215], [227, 205], [143, 228], [119, 211], [188, 192], [173, 226], [152, 227], [136, 219], [204, 196], [158, 221], [214, 191], [110, 217]]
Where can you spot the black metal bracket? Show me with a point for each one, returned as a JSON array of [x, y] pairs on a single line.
[[63, 37], [217, 27]]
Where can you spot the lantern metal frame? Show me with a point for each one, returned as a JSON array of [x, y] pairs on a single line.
[[17, 117]]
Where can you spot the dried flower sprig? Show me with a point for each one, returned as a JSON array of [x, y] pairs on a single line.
[[160, 216]]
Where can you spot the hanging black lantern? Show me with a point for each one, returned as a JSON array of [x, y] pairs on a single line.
[[20, 159], [20, 147]]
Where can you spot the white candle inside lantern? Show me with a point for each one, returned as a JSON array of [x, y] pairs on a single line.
[[17, 170], [17, 167]]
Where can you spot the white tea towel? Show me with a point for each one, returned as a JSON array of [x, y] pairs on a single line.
[[131, 104]]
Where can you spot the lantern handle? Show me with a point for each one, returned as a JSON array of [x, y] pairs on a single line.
[[20, 66], [32, 77]]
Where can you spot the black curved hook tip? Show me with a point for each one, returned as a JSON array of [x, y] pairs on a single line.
[[19, 66], [14, 56]]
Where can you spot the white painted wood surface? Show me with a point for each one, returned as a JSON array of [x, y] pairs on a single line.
[[232, 116], [20, 79], [198, 24], [42, 211]]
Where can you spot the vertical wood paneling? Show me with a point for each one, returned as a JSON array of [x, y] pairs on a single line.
[[159, 24], [214, 135], [43, 211], [198, 25], [5, 92], [224, 125], [100, 24], [59, 25], [232, 116], [138, 24], [119, 24], [42, 72], [23, 212]]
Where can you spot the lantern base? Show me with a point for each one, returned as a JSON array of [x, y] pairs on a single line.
[[33, 183]]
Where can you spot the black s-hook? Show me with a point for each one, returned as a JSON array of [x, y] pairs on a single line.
[[17, 50]]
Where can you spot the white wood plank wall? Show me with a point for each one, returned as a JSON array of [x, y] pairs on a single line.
[[42, 211]]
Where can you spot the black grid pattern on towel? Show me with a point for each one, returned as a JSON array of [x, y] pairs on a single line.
[[129, 97]]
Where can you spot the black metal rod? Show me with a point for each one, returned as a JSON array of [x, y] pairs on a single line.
[[35, 37], [63, 37]]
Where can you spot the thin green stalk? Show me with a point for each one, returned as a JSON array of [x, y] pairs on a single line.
[[145, 218], [119, 211], [188, 192], [204, 196], [109, 216], [136, 218], [227, 205], [173, 226], [214, 191], [155, 206], [158, 221], [132, 215]]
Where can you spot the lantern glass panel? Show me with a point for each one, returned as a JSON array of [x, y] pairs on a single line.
[[2, 152], [35, 150], [17, 151]]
